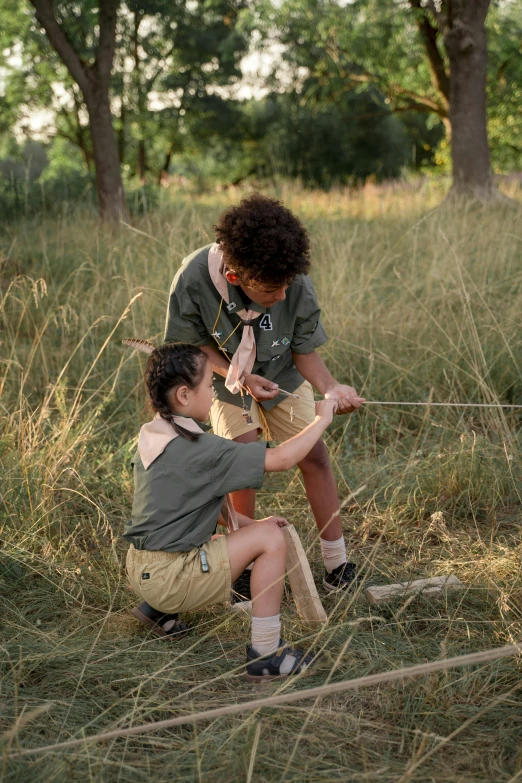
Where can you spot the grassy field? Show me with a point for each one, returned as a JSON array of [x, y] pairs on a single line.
[[420, 303]]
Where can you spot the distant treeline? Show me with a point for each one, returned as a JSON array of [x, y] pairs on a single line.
[[141, 93], [279, 136]]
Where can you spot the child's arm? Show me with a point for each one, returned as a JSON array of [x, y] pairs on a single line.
[[292, 451], [314, 370]]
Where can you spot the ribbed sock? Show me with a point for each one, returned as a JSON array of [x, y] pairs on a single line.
[[334, 553], [266, 632]]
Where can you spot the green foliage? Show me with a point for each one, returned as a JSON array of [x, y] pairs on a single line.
[[504, 92], [324, 144], [331, 47], [350, 94], [168, 55]]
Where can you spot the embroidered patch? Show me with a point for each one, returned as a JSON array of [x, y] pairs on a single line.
[[217, 335], [266, 322], [231, 306], [275, 343], [285, 341], [275, 357], [146, 575]]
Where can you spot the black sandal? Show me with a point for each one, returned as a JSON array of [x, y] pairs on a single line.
[[269, 667], [161, 624]]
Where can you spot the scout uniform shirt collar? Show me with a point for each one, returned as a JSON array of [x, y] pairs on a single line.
[[235, 292], [244, 358], [156, 435]]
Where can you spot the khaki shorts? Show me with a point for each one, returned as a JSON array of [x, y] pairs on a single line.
[[174, 581], [228, 420]]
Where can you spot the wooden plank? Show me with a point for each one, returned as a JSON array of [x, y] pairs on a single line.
[[432, 586], [304, 591]]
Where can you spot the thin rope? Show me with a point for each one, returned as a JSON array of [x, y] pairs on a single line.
[[427, 404], [287, 698]]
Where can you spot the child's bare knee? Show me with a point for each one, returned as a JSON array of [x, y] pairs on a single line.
[[277, 539], [273, 538]]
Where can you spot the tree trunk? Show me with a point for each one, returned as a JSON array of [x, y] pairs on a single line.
[[109, 184], [163, 175], [466, 44], [121, 132], [94, 82], [142, 162]]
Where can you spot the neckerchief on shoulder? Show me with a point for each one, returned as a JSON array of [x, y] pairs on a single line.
[[154, 438], [245, 356], [156, 435]]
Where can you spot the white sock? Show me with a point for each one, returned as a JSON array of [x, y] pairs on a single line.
[[334, 553], [266, 632]]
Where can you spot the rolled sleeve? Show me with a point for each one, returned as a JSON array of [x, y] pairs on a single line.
[[308, 330], [239, 466], [184, 322]]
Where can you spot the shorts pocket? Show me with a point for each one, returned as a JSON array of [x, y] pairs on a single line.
[[149, 579]]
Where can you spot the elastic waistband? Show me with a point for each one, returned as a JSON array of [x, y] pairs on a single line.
[[150, 555]]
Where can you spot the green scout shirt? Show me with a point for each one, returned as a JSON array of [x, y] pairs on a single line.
[[289, 326], [177, 500]]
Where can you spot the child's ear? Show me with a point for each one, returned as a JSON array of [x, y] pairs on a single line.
[[232, 277], [181, 395]]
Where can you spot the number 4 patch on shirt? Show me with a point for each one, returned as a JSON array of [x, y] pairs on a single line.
[[266, 322]]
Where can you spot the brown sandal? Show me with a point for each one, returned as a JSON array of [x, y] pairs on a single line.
[[161, 624]]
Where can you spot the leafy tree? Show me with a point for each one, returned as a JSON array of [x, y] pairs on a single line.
[[84, 37], [424, 55], [165, 58], [182, 53]]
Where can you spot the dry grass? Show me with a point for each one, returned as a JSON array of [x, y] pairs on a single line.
[[417, 302]]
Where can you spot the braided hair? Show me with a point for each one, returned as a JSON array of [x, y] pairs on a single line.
[[169, 366]]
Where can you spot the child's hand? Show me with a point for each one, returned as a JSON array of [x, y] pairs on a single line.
[[260, 388], [326, 409], [279, 521], [346, 397]]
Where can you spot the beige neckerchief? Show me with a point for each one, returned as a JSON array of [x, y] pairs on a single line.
[[154, 438], [245, 356]]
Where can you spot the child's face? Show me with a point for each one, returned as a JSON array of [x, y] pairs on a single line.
[[197, 402], [200, 399], [266, 296]]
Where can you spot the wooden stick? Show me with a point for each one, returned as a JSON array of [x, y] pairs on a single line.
[[289, 697], [304, 591], [433, 586]]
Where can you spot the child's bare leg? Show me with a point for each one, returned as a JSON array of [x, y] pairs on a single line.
[[321, 491], [244, 501], [265, 545]]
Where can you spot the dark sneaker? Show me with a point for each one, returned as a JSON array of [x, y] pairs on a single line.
[[241, 590], [161, 624], [269, 667], [341, 578]]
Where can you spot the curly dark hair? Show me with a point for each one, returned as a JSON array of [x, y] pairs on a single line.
[[263, 241], [169, 366]]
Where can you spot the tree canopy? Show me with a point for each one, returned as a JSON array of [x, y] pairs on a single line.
[[369, 80]]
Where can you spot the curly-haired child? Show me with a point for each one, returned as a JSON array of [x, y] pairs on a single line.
[[248, 303], [181, 475]]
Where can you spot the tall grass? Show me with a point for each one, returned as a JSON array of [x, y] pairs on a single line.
[[420, 304]]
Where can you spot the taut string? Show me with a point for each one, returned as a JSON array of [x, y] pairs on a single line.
[[146, 347]]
